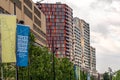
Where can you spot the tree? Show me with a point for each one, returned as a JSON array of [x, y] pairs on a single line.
[[65, 68], [117, 76], [40, 66], [106, 76]]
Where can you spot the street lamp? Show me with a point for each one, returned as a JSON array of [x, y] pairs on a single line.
[[54, 78], [53, 51]]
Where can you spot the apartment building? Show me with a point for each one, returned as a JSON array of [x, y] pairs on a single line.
[[82, 43], [77, 42], [59, 21], [85, 44], [93, 58], [27, 11]]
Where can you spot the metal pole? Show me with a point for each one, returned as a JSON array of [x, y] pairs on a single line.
[[53, 66], [16, 65], [53, 58], [17, 73], [14, 8], [1, 72]]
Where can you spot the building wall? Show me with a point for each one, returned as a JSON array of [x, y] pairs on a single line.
[[93, 58], [59, 28], [77, 42], [82, 43], [85, 44], [26, 10]]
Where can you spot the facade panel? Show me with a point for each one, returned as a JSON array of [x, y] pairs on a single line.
[[93, 58], [59, 27], [31, 15], [82, 43]]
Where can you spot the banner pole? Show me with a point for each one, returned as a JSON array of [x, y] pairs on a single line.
[[17, 73], [2, 72], [16, 63]]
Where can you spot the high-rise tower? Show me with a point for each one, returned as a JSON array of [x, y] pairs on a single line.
[[82, 43], [59, 23]]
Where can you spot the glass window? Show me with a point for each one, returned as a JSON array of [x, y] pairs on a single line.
[[58, 45]]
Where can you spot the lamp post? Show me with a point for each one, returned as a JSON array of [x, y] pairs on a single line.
[[53, 51], [54, 78]]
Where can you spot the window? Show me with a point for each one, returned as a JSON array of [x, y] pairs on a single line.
[[58, 45], [18, 3], [28, 13], [37, 21], [3, 11], [39, 31], [39, 38], [28, 3], [37, 12]]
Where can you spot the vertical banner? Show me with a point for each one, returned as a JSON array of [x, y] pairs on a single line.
[[23, 32], [88, 76], [76, 72], [7, 38]]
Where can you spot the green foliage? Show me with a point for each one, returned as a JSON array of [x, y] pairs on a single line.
[[40, 66], [106, 76], [83, 75], [92, 77], [117, 76], [8, 71]]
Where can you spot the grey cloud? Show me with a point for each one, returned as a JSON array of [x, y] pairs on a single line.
[[111, 9], [106, 1], [106, 61], [100, 3], [102, 29]]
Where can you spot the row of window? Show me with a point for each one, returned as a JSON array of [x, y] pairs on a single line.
[[52, 9], [39, 38], [37, 12], [57, 34], [54, 13], [56, 42], [39, 31], [18, 3], [52, 5], [56, 38], [29, 4], [3, 11], [55, 16], [37, 21], [28, 12], [56, 27], [57, 20], [61, 47], [55, 24]]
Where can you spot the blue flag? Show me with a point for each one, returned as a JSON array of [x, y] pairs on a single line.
[[88, 76], [76, 72], [22, 37]]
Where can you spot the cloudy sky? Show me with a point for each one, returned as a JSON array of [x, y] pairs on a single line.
[[104, 19]]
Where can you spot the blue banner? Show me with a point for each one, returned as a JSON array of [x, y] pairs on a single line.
[[76, 72], [22, 37], [88, 76]]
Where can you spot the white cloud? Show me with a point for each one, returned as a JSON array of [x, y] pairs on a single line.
[[104, 19]]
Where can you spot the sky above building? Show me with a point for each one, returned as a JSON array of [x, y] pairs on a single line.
[[104, 19]]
